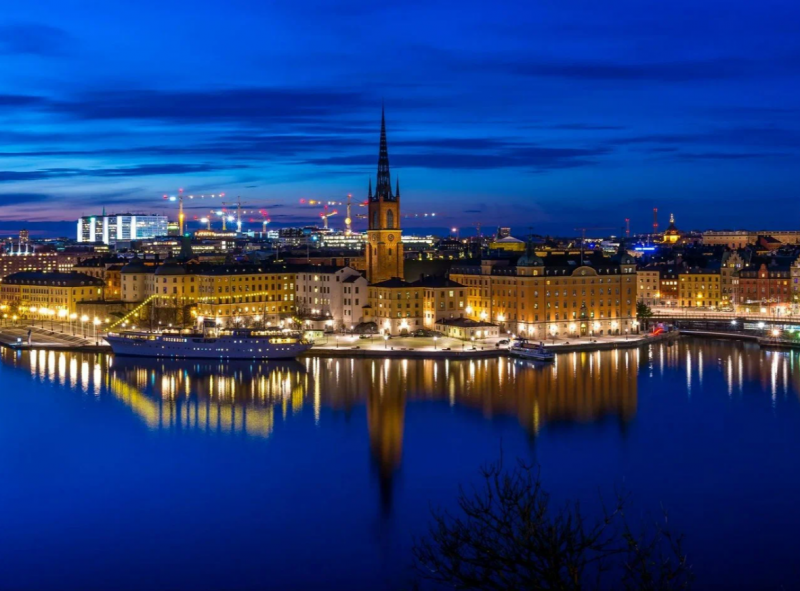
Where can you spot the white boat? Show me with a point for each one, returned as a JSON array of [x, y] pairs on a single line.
[[521, 348], [238, 343]]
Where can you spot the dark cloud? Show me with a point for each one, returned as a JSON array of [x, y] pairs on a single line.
[[125, 171], [531, 157], [728, 156], [285, 105], [17, 198], [34, 39], [674, 71]]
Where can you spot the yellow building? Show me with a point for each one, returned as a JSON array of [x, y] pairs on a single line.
[[246, 293], [55, 294], [232, 294], [648, 282], [700, 288], [672, 234], [555, 295]]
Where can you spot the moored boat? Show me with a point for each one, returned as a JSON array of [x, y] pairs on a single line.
[[237, 343], [521, 348]]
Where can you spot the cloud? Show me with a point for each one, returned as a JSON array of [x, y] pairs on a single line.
[[126, 171], [19, 198], [670, 71], [252, 105], [34, 39], [530, 157]]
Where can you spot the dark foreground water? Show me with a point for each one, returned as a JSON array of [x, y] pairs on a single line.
[[317, 474]]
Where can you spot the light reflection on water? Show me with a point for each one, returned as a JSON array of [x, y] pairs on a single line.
[[692, 387]]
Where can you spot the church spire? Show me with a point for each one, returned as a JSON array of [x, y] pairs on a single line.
[[383, 188], [369, 195], [397, 189]]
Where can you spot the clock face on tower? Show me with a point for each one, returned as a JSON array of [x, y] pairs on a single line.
[[391, 237], [374, 238]]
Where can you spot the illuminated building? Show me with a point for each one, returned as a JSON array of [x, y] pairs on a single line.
[[121, 227], [742, 238], [384, 251], [730, 265], [15, 262], [51, 291], [700, 288], [764, 288], [648, 285], [333, 295], [24, 236], [672, 234], [555, 295], [508, 243], [106, 270]]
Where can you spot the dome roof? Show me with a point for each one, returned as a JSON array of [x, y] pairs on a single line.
[[136, 265], [530, 260], [171, 267]]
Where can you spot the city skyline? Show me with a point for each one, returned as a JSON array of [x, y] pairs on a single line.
[[549, 117]]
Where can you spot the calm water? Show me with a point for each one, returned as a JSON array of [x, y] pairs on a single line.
[[316, 474]]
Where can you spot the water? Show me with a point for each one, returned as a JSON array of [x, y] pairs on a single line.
[[317, 474]]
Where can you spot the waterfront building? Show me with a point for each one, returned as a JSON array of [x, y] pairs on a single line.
[[467, 329], [700, 288], [648, 280], [110, 229], [730, 265], [51, 291], [558, 294], [332, 295], [764, 288]]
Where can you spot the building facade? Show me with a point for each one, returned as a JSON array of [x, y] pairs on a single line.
[[56, 292], [648, 288], [110, 229], [764, 289], [555, 295], [700, 288], [333, 294]]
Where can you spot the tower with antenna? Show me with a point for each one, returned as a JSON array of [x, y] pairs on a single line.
[[655, 222], [627, 227]]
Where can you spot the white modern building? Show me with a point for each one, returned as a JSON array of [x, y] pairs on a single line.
[[109, 229]]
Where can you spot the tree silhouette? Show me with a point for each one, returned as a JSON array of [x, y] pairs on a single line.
[[508, 537]]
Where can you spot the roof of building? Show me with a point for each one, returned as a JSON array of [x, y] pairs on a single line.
[[52, 279], [463, 322], [393, 283], [352, 278], [432, 282]]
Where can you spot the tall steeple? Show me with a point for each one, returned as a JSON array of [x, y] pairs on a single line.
[[369, 195], [397, 189], [383, 188]]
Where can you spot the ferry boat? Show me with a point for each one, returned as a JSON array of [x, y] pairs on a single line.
[[237, 343], [521, 348]]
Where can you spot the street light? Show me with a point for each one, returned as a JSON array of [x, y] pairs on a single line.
[[96, 321], [434, 342], [84, 318], [385, 341]]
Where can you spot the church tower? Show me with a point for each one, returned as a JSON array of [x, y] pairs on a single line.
[[384, 250]]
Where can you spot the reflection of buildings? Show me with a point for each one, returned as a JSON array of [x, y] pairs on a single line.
[[249, 398]]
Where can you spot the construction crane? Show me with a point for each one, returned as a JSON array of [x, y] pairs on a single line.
[[348, 221], [583, 235], [179, 198], [325, 215]]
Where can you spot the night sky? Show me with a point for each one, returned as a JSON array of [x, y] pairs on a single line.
[[549, 115]]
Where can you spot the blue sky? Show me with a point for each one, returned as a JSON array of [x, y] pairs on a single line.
[[548, 114]]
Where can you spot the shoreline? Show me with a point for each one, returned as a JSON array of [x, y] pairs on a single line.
[[9, 342]]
